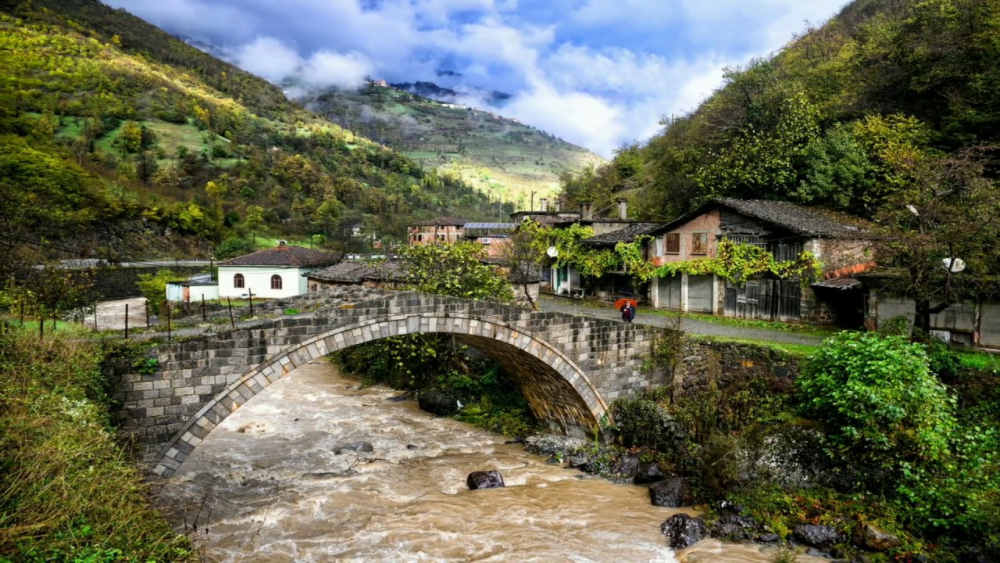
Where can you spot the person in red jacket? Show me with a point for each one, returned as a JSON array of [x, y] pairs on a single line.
[[628, 311]]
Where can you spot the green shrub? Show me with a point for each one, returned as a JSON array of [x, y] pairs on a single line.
[[233, 247], [881, 408], [645, 422], [154, 287]]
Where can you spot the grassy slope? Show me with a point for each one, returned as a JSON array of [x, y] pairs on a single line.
[[70, 62], [505, 159]]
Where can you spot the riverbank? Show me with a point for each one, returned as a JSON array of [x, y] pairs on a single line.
[[68, 490]]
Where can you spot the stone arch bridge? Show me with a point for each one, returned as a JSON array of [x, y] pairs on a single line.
[[569, 368]]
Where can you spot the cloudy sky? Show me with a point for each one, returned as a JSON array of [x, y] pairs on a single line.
[[594, 72]]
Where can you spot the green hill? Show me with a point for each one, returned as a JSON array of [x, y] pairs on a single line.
[[838, 117], [498, 156], [118, 139]]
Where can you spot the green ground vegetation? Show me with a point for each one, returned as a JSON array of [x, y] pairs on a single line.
[[106, 120], [68, 491], [499, 157], [877, 429]]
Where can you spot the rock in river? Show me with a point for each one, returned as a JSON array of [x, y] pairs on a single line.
[[485, 480], [441, 403], [683, 531], [358, 447], [649, 472], [669, 493], [822, 537]]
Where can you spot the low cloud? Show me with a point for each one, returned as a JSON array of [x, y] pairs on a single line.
[[593, 72]]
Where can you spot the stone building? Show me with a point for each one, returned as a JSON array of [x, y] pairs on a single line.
[[842, 243], [440, 229]]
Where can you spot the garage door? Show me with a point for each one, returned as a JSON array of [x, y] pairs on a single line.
[[700, 294], [669, 292]]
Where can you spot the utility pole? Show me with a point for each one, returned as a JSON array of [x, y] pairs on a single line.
[[532, 209]]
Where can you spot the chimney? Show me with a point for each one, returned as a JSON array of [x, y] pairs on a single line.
[[586, 211], [622, 209]]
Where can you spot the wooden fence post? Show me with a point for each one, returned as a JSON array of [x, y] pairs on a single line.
[[167, 303], [126, 321], [232, 320], [203, 317], [250, 293]]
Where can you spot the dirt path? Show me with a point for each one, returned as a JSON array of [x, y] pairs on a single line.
[[111, 314]]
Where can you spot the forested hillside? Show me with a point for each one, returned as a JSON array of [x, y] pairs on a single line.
[[497, 155], [118, 139], [841, 117]]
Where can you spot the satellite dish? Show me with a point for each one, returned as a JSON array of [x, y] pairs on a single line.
[[552, 252], [954, 265]]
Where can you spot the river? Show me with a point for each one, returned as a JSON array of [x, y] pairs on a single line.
[[267, 485]]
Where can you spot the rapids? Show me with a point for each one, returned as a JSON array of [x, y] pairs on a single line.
[[267, 485]]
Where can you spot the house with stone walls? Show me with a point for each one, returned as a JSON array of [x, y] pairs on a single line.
[[615, 285], [608, 231], [273, 273], [439, 229], [842, 243]]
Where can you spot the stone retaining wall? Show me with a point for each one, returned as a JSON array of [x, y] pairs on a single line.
[[706, 363]]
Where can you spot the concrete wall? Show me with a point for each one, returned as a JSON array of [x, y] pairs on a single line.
[[569, 368], [961, 324], [258, 279]]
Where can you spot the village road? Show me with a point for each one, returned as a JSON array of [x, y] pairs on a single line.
[[689, 325]]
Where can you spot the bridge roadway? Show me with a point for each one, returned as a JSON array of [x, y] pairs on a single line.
[[568, 367]]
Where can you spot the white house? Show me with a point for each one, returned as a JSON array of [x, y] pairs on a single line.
[[273, 273]]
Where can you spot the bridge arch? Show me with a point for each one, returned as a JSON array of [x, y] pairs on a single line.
[[557, 389]]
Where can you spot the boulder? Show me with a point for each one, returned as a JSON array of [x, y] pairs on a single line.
[[822, 537], [733, 527], [435, 401], [627, 466], [485, 480], [874, 539], [683, 531], [769, 538], [669, 493], [649, 472], [357, 447], [578, 460]]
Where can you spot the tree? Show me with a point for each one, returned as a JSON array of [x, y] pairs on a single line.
[[254, 220], [130, 137], [947, 210], [521, 258], [455, 270]]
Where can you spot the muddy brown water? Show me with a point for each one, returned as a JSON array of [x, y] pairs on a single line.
[[268, 485]]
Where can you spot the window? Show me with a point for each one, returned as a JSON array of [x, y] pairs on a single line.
[[275, 281], [659, 247], [673, 243], [699, 243], [238, 281]]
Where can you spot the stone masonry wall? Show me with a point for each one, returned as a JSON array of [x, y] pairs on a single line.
[[706, 363], [570, 368]]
